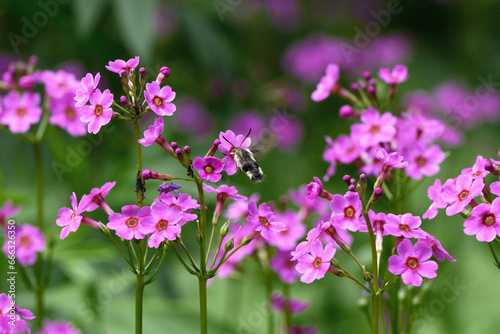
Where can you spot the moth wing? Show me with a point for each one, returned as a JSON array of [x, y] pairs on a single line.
[[265, 144]]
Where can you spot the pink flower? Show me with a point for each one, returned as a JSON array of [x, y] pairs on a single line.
[[160, 100], [437, 250], [209, 168], [88, 84], [405, 225], [264, 221], [477, 171], [227, 140], [346, 149], [184, 202], [99, 112], [96, 198], [295, 230], [152, 133], [70, 219], [392, 159], [327, 83], [283, 265], [412, 262], [434, 194], [15, 324], [484, 221], [346, 211], [162, 224], [224, 192], [461, 193], [424, 161], [119, 65], [20, 111], [127, 223], [313, 235], [398, 74], [65, 115], [314, 264], [6, 211], [29, 242], [374, 128], [295, 306], [57, 327], [58, 84]]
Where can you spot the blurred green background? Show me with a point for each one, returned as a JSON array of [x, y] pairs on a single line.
[[230, 56]]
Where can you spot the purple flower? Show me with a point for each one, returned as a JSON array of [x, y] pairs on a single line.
[[162, 224], [99, 112], [20, 111], [484, 221], [58, 327], [392, 159], [14, 324], [398, 74], [437, 250], [313, 235], [65, 115], [227, 140], [209, 168], [434, 194], [314, 189], [96, 198], [375, 128], [223, 193], [6, 211], [88, 84], [346, 149], [314, 264], [294, 231], [29, 242], [424, 161], [477, 171], [250, 119], [127, 224], [461, 193], [58, 84], [327, 83], [184, 202], [405, 225], [152, 133], [283, 265], [412, 262], [119, 65], [295, 306], [346, 211], [70, 219], [160, 100], [264, 221]]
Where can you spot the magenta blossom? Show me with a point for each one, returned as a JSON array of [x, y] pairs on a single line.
[[88, 84], [209, 168], [99, 112], [295, 230], [313, 235], [184, 202], [346, 211], [21, 110], [327, 83], [284, 266], [406, 225], [119, 65], [223, 192], [57, 84], [424, 161], [29, 242], [96, 198], [437, 250], [346, 149], [264, 221], [6, 211], [127, 223], [152, 133], [392, 159], [64, 114], [398, 74], [461, 193], [295, 306], [434, 194], [227, 140], [11, 316], [57, 327], [162, 224], [160, 100], [374, 128], [70, 219], [314, 264], [484, 221], [412, 262]]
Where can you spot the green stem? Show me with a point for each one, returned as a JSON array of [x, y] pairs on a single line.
[[139, 292], [376, 294], [202, 283], [140, 180], [269, 292], [497, 263], [287, 314]]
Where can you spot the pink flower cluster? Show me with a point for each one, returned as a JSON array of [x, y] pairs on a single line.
[[410, 136], [12, 317], [459, 195]]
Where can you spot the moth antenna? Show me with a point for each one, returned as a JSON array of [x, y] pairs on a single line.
[[248, 134], [228, 141]]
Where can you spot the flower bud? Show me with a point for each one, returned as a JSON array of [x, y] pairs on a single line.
[[164, 73], [142, 76], [224, 230], [229, 245]]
